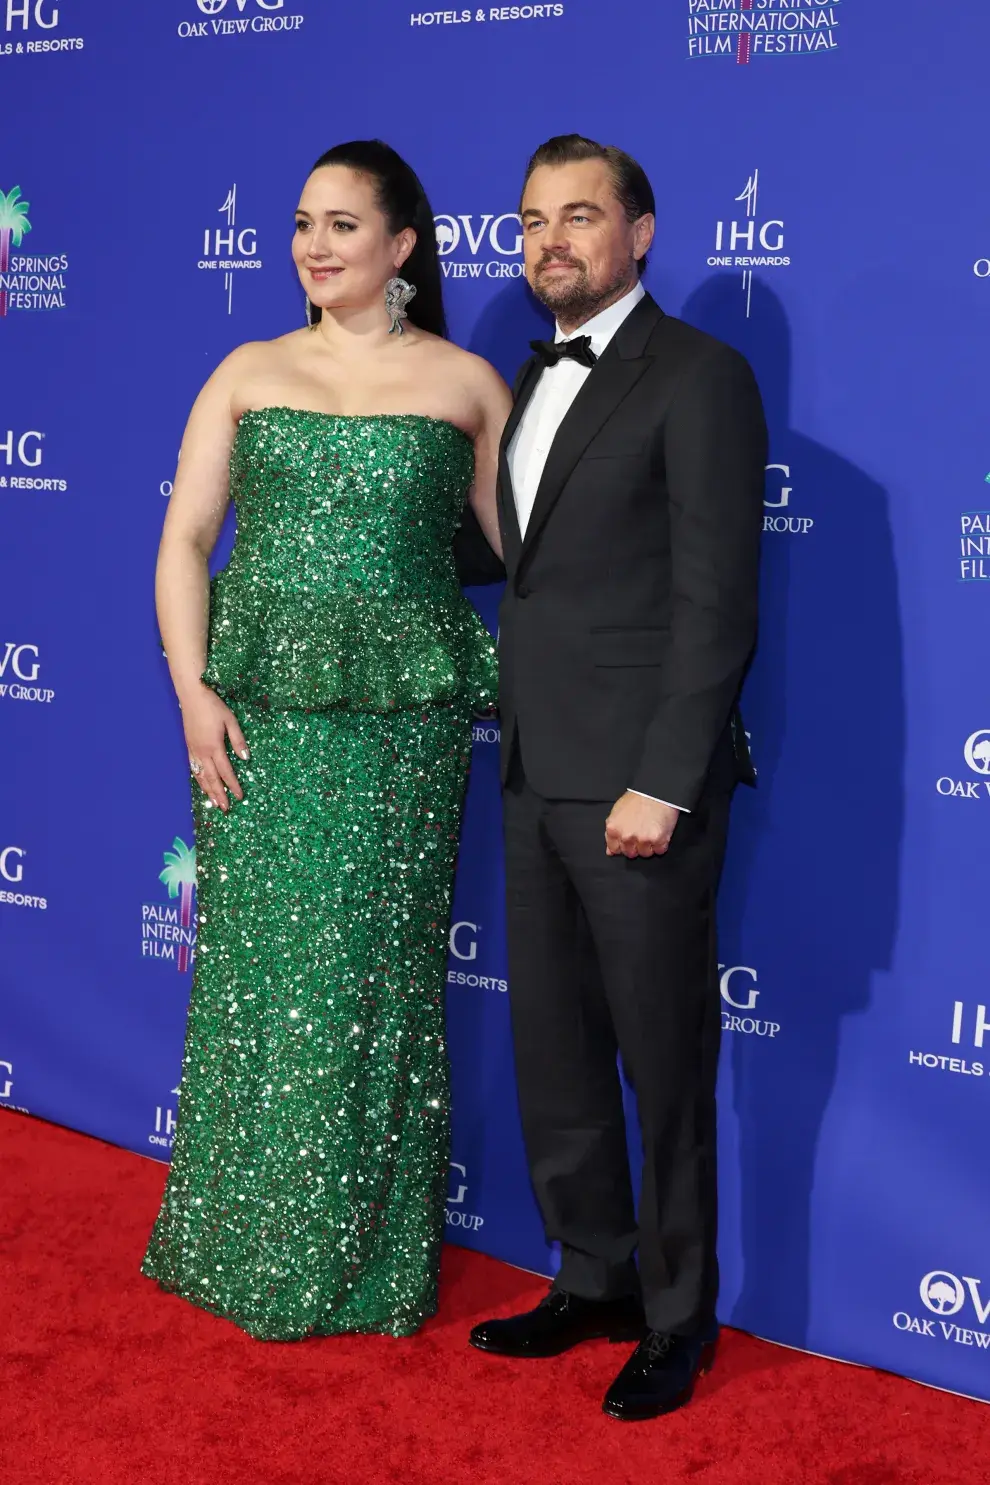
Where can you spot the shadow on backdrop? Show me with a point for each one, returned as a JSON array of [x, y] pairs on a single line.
[[506, 326], [810, 888]]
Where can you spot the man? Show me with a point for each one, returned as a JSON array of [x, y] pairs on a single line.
[[631, 504]]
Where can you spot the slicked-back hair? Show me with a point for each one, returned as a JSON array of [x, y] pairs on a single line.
[[404, 203], [629, 180]]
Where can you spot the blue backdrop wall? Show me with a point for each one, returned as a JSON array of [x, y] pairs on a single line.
[[819, 166]]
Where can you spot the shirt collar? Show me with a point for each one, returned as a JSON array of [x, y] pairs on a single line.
[[603, 326]]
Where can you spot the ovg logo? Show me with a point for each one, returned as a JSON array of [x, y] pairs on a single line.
[[166, 932], [942, 1293], [762, 240], [26, 282], [214, 7], [743, 29], [457, 1215], [231, 248], [483, 245], [945, 1295], [977, 751], [237, 17], [740, 991], [777, 500], [20, 668]]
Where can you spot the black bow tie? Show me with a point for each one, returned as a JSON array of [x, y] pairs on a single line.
[[578, 349]]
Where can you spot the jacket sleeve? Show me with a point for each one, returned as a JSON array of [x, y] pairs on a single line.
[[715, 449], [474, 559]]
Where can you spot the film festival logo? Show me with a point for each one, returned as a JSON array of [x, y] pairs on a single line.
[[744, 29], [239, 18], [945, 1295], [29, 27], [485, 246], [230, 249], [749, 242], [169, 933], [974, 545], [26, 283]]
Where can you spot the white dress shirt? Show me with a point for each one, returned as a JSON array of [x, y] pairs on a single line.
[[555, 391]]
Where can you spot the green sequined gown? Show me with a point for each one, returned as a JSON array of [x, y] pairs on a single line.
[[308, 1180]]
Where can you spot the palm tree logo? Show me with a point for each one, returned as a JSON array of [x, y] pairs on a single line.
[[179, 877], [13, 225]]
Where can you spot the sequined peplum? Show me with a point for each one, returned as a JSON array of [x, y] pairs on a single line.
[[309, 1174], [341, 588]]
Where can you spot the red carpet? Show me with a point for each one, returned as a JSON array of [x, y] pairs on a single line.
[[106, 1381]]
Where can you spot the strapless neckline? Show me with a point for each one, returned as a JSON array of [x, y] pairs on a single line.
[[311, 412], [341, 589]]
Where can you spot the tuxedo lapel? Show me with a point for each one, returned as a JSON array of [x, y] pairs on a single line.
[[508, 519], [613, 378]]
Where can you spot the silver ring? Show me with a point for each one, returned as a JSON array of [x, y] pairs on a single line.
[[195, 766]]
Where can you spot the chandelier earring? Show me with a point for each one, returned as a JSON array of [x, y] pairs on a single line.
[[397, 295]]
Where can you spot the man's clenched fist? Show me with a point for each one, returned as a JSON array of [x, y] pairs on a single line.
[[639, 827]]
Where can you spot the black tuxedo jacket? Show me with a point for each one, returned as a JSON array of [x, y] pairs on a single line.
[[629, 614]]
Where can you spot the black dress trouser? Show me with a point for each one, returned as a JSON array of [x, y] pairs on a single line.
[[609, 955]]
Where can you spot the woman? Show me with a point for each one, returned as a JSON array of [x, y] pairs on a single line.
[[336, 657]]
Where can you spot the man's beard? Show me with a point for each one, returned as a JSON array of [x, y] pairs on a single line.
[[575, 298]]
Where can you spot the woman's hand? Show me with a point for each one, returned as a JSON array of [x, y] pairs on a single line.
[[207, 723]]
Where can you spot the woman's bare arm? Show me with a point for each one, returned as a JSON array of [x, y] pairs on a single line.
[[494, 406], [196, 510]]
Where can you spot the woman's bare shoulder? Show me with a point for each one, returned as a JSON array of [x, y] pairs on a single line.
[[473, 370], [261, 355], [252, 369]]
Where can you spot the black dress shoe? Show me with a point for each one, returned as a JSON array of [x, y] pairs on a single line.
[[659, 1376], [559, 1322]]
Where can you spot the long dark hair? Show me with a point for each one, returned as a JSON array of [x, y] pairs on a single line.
[[403, 203]]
